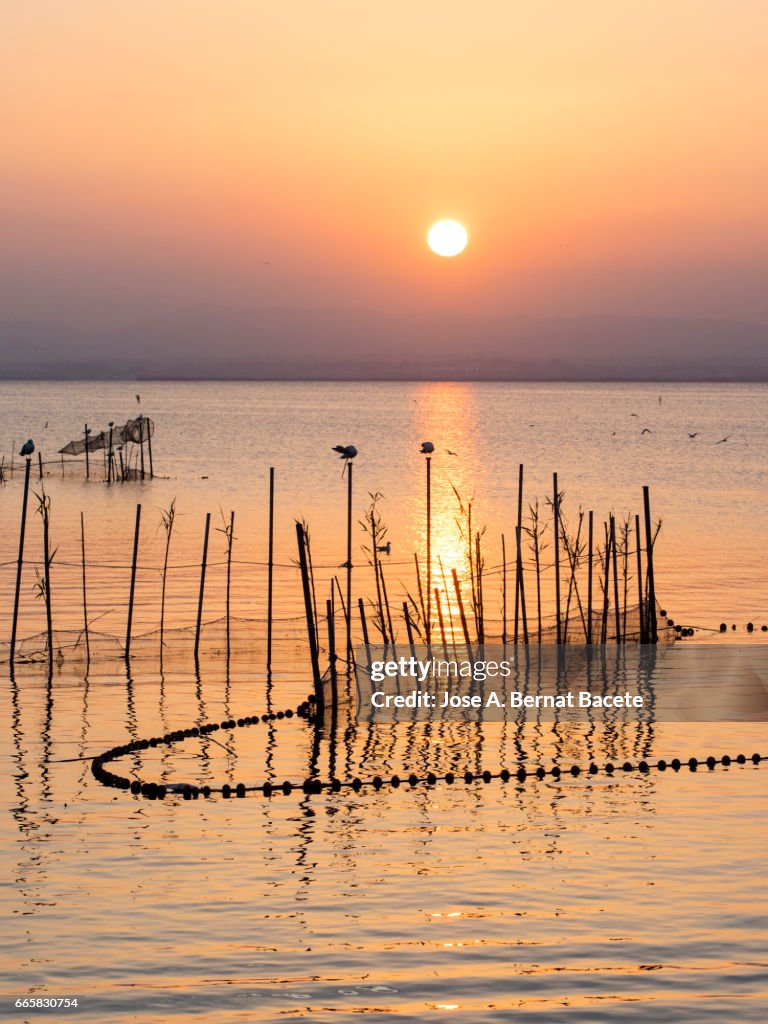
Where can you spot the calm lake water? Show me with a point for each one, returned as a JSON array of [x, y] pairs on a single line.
[[639, 898]]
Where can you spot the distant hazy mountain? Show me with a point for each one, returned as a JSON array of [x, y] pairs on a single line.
[[337, 344]]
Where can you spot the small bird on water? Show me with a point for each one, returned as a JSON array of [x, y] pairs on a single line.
[[385, 549], [721, 441], [27, 448], [427, 447], [693, 435]]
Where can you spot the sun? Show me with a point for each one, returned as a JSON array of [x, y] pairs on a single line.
[[447, 238]]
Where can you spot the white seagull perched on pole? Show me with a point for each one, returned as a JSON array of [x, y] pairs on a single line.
[[427, 448], [346, 451], [27, 448]]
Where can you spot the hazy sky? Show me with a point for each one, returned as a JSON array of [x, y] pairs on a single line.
[[605, 156]]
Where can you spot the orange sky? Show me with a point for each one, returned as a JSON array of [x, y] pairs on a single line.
[[608, 157]]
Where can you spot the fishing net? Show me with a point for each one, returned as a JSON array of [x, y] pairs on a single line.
[[134, 431]]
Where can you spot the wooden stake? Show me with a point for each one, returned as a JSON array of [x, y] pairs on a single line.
[[332, 651], [464, 627], [85, 595], [640, 598], [386, 606], [149, 451], [606, 577], [589, 578], [109, 456], [428, 619], [517, 558], [203, 566], [86, 432], [364, 626], [230, 542], [350, 653], [409, 629], [439, 607], [556, 513], [521, 584], [141, 444], [45, 505], [309, 612], [132, 592], [503, 592], [39, 464], [22, 532], [616, 604], [653, 636], [270, 564]]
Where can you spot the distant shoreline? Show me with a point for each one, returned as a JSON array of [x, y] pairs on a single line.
[[383, 379]]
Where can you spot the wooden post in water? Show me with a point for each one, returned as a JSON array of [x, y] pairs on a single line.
[[517, 563], [122, 463], [640, 598], [464, 627], [332, 650], [616, 603], [409, 629], [309, 612], [439, 607], [428, 620], [521, 584], [386, 606], [503, 592], [230, 542], [653, 636], [86, 432], [141, 443], [85, 596], [589, 579], [364, 626], [270, 564], [203, 566], [132, 591], [350, 653], [45, 513], [109, 453], [149, 450], [606, 577], [22, 533], [39, 464], [556, 514]]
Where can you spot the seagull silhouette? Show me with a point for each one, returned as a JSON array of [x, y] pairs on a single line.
[[427, 447], [346, 451], [721, 441], [694, 435], [449, 452], [645, 430], [634, 414], [28, 447]]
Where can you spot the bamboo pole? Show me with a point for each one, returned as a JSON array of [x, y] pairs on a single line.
[[85, 594], [421, 591], [39, 464], [132, 592], [270, 565], [301, 541], [480, 613], [374, 545], [203, 566], [589, 578], [167, 523], [653, 635], [86, 432], [22, 532], [109, 456], [517, 557], [386, 606], [556, 513]]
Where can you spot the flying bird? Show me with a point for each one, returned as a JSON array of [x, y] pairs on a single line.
[[645, 430], [693, 435], [449, 452], [721, 441], [427, 448], [28, 447], [385, 549], [346, 451], [634, 414]]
